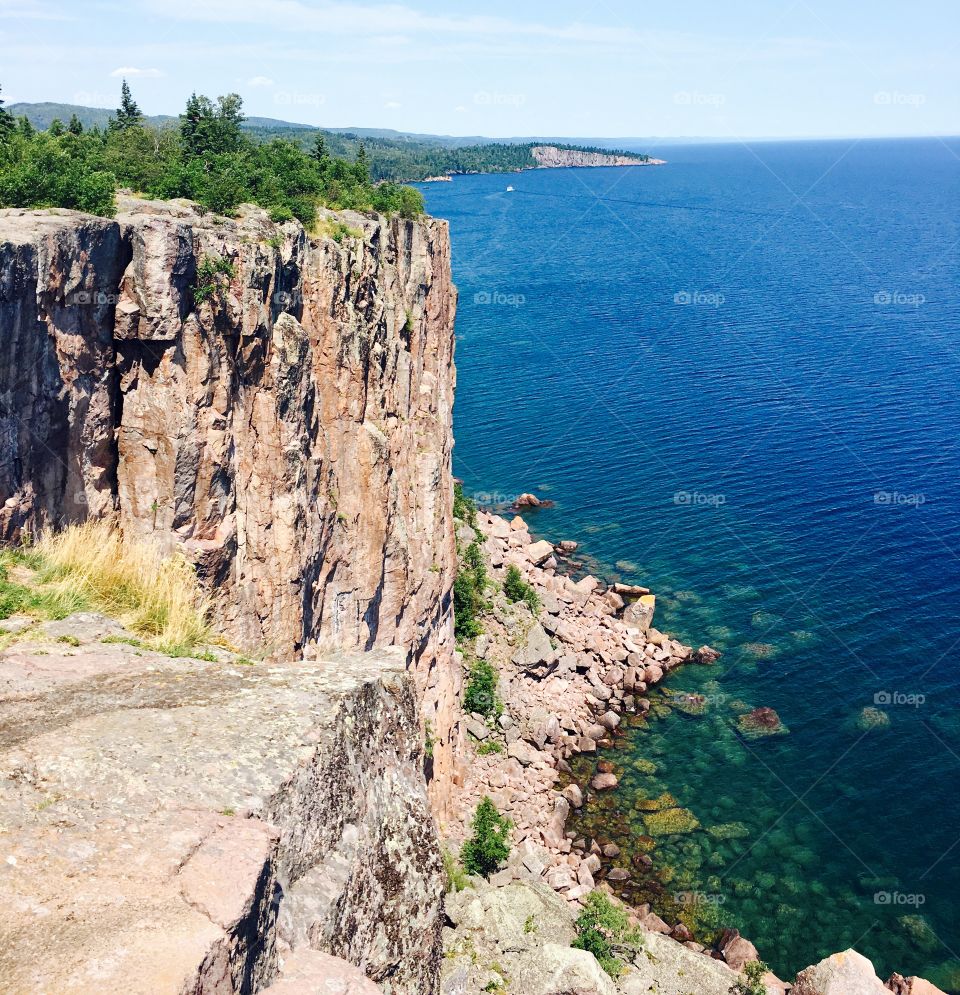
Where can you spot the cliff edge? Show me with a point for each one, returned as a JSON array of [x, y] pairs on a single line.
[[275, 404]]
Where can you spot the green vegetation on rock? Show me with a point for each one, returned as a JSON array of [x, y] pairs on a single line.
[[603, 928], [469, 600], [489, 845], [517, 589], [480, 694], [751, 981]]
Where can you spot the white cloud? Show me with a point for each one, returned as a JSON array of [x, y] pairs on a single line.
[[391, 25], [392, 105], [132, 72], [260, 81]]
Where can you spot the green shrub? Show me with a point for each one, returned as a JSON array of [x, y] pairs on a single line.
[[464, 508], [469, 593], [455, 875], [213, 276], [751, 981], [480, 694], [489, 845], [603, 929], [517, 589], [490, 746]]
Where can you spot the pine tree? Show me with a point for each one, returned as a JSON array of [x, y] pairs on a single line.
[[7, 122], [362, 164], [129, 114], [75, 127], [320, 151], [24, 127], [56, 127]]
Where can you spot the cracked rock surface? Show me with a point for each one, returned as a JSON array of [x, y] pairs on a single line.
[[190, 826]]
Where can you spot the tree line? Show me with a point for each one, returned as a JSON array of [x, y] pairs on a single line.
[[207, 157]]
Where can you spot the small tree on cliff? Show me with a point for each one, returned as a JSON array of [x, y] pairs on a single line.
[[489, 845]]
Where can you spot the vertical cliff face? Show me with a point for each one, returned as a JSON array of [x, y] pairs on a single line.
[[289, 428]]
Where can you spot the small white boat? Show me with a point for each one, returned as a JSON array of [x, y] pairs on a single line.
[[509, 189]]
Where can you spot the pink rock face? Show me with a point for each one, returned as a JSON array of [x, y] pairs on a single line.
[[292, 434], [307, 972]]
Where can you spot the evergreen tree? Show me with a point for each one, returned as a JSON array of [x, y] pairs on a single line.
[[75, 127], [320, 151], [362, 164], [56, 127], [212, 129], [6, 120], [24, 127], [128, 114]]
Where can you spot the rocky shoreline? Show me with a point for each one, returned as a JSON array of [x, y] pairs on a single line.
[[568, 676]]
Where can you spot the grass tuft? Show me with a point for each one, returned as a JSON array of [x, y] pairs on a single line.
[[94, 566]]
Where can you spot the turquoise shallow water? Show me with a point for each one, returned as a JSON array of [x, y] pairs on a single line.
[[736, 376]]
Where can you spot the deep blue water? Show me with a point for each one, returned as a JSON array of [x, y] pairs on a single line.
[[737, 377]]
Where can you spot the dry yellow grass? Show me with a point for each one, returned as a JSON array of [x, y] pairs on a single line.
[[154, 595]]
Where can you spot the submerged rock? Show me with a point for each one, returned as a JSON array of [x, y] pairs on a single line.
[[871, 718], [671, 822], [760, 723]]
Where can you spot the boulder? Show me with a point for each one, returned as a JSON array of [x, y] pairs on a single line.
[[574, 795], [736, 950], [639, 613], [847, 973], [604, 782], [539, 552], [561, 970], [670, 968], [536, 650], [528, 501], [476, 729], [911, 986]]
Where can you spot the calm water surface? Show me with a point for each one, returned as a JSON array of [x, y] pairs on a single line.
[[737, 377]]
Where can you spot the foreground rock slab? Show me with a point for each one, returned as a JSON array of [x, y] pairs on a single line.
[[182, 825]]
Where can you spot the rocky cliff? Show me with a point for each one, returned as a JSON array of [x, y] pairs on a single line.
[[551, 157], [278, 406], [210, 826]]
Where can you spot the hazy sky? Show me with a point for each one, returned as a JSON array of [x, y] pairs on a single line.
[[613, 68]]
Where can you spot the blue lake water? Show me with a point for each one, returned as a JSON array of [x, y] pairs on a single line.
[[737, 377]]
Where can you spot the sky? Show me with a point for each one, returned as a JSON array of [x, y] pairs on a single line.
[[614, 68]]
